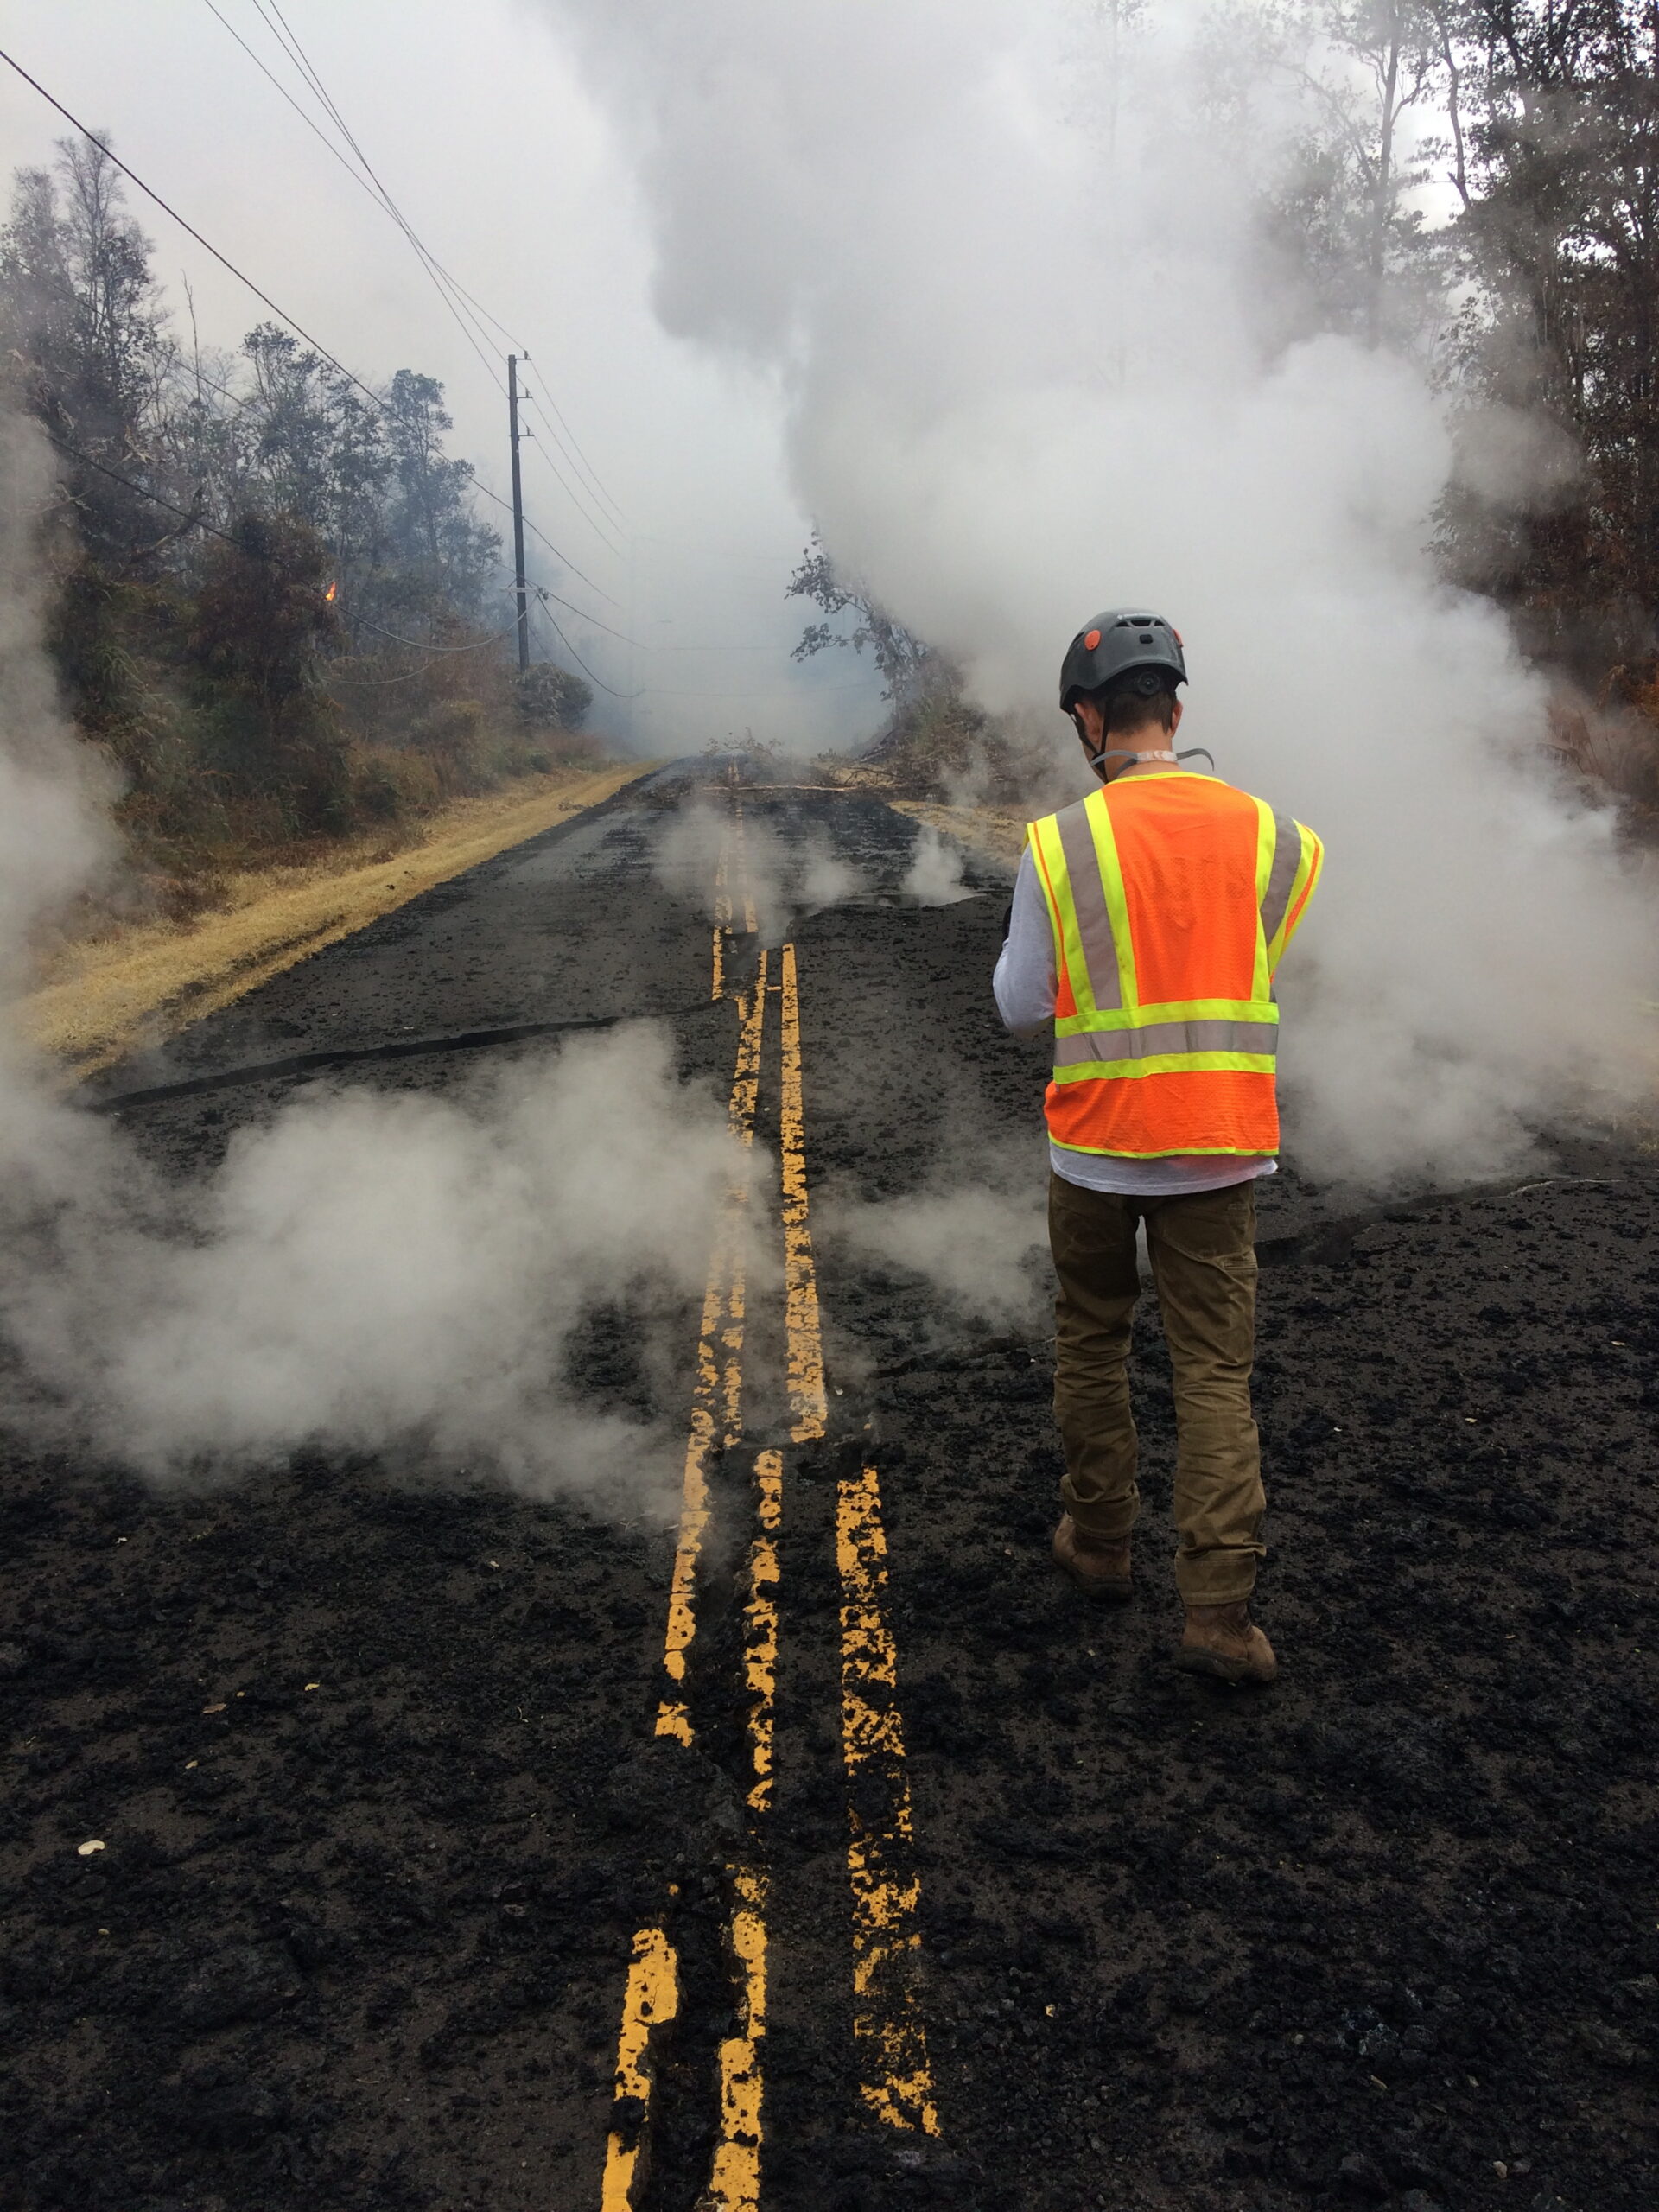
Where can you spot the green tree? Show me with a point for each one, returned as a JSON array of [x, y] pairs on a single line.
[[1554, 110], [440, 557], [85, 334]]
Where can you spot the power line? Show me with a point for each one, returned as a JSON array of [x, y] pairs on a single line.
[[366, 176], [642, 644], [610, 597], [375, 190], [806, 692], [593, 474], [241, 401], [552, 621], [410, 675], [421, 645], [225, 261], [592, 523], [573, 452], [142, 490], [197, 522], [440, 277], [542, 592]]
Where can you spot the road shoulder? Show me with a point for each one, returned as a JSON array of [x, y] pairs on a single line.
[[105, 999]]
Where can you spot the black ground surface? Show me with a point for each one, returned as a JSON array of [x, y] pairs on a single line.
[[1386, 1935]]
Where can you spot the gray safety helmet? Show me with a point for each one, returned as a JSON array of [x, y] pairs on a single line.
[[1117, 644]]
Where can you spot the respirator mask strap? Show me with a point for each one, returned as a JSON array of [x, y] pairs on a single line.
[[1192, 752]]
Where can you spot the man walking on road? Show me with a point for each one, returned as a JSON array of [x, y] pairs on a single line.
[[1147, 924]]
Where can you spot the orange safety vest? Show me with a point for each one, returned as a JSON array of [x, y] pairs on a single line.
[[1171, 897]]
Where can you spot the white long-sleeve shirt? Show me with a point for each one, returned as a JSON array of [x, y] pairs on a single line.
[[1026, 989]]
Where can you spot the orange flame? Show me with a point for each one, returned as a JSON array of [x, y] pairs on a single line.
[[331, 594]]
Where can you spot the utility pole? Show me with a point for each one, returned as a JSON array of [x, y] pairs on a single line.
[[518, 517]]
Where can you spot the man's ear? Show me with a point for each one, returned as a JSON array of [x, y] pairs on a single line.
[[1175, 719]]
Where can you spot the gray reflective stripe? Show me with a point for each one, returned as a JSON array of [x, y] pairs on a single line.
[[1286, 859], [1259, 1037], [1088, 904]]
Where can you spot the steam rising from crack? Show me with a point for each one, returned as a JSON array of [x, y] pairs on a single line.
[[782, 880], [934, 876], [1036, 365]]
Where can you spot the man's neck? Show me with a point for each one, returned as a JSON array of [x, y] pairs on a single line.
[[1153, 761]]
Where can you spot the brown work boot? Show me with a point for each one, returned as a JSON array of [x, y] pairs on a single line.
[[1099, 1569], [1223, 1642]]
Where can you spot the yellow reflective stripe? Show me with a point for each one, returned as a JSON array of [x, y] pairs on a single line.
[[1098, 815], [1049, 852], [1158, 1010], [1266, 843], [1168, 1064], [1169, 1152], [1265, 836], [1305, 883]]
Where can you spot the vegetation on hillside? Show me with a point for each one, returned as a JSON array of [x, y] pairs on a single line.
[[272, 605]]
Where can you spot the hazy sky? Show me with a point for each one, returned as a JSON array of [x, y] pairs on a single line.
[[479, 128]]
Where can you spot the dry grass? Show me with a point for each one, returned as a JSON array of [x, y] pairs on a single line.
[[997, 831], [99, 1000]]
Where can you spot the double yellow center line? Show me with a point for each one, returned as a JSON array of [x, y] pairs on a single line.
[[895, 2080]]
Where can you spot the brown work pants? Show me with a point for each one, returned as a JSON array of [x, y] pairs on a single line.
[[1203, 1251]]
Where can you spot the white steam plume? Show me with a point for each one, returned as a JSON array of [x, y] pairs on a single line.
[[386, 1273], [784, 879], [54, 840], [373, 1272], [973, 1236], [934, 876], [1028, 360]]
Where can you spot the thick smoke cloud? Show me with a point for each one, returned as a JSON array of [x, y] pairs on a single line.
[[1026, 331], [395, 1274]]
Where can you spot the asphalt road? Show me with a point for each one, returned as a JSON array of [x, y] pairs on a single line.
[[821, 1849]]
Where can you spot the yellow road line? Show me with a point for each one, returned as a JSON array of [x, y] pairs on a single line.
[[897, 2083], [760, 1615], [716, 1392], [803, 1331], [652, 1996], [734, 2171], [734, 2176]]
